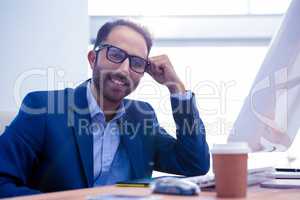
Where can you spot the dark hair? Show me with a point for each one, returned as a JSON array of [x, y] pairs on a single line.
[[108, 26]]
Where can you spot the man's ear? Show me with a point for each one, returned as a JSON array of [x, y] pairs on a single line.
[[92, 58]]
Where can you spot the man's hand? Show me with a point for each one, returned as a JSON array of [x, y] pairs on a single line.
[[162, 71]]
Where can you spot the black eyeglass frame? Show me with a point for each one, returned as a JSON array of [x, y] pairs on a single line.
[[103, 46]]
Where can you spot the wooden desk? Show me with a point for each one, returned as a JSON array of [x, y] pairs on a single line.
[[253, 193]]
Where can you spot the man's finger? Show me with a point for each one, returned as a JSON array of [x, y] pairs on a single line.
[[159, 57]]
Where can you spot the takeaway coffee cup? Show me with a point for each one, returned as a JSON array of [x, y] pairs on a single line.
[[230, 169]]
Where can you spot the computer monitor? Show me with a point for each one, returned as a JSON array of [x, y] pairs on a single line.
[[270, 116]]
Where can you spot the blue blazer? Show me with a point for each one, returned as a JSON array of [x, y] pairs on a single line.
[[48, 146]]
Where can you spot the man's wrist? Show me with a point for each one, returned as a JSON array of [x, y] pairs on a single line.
[[176, 88], [186, 96]]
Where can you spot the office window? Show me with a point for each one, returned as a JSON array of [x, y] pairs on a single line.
[[167, 7], [188, 7], [268, 6]]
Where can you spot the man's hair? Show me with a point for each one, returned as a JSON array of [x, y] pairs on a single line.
[[108, 26]]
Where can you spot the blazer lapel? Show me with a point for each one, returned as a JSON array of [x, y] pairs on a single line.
[[133, 144], [79, 119]]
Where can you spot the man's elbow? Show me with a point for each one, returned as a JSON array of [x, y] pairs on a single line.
[[203, 167], [200, 167], [202, 162]]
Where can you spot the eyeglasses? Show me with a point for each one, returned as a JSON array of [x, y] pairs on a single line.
[[117, 55]]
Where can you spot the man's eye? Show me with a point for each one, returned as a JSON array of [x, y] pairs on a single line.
[[137, 63], [116, 54]]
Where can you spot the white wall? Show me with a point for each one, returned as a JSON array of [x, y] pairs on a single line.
[[43, 45]]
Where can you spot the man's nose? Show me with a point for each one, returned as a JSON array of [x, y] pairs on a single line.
[[124, 66]]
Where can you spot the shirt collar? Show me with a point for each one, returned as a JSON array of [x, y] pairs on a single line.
[[94, 107]]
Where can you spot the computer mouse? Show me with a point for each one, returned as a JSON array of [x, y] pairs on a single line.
[[176, 186]]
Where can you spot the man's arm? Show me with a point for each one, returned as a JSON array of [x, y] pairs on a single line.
[[188, 154], [20, 145]]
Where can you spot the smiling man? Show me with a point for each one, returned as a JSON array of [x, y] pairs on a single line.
[[92, 135]]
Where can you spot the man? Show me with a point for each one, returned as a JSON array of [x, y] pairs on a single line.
[[91, 136]]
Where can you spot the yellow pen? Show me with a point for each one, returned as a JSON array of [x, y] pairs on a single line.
[[132, 184]]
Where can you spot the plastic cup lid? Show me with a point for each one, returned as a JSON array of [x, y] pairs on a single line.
[[231, 148]]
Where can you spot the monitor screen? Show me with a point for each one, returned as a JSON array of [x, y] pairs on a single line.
[[270, 116]]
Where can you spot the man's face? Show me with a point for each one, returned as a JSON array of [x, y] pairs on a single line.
[[114, 81]]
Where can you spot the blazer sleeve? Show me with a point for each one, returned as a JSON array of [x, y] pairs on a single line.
[[20, 145], [188, 154]]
